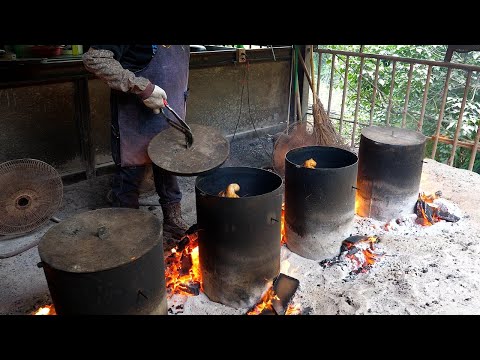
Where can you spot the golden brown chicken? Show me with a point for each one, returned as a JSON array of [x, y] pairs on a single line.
[[310, 163], [230, 191]]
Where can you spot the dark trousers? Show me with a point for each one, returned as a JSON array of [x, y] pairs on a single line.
[[127, 180]]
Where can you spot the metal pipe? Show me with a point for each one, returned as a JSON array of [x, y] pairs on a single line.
[[440, 115], [407, 95], [402, 59], [332, 73], [424, 102], [319, 68], [290, 92], [392, 84], [474, 150], [374, 95], [460, 119], [345, 85], [359, 88]]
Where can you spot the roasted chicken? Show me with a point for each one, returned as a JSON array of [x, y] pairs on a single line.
[[310, 163], [230, 192]]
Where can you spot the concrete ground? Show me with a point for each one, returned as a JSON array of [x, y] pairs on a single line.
[[424, 270], [22, 283]]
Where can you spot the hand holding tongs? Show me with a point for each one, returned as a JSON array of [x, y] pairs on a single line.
[[181, 125]]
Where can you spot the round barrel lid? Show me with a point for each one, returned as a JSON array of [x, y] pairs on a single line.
[[100, 240], [168, 150], [393, 136]]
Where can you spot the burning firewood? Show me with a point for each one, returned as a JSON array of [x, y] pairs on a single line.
[[230, 192], [359, 251], [276, 301], [429, 213], [310, 164]]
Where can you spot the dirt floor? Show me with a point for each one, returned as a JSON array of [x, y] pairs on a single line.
[[424, 270]]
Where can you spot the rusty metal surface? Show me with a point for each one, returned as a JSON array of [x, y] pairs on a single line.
[[30, 193], [100, 240], [168, 150]]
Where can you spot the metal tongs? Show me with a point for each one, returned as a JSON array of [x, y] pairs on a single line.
[[181, 125]]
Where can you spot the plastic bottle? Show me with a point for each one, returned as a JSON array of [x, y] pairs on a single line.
[[77, 50]]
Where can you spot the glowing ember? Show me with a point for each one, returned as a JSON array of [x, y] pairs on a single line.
[[361, 252], [283, 239], [429, 212], [45, 310], [293, 309], [277, 299], [182, 270], [357, 252], [265, 302]]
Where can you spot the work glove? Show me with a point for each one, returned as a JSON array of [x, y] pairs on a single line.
[[156, 100]]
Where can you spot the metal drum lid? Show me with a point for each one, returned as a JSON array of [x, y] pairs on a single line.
[[100, 240], [390, 135], [168, 150]]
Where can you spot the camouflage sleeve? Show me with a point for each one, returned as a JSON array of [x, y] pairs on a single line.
[[103, 64]]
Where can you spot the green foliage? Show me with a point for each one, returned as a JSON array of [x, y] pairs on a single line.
[[471, 114]]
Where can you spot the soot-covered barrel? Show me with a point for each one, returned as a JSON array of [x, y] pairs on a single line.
[[320, 201], [389, 171], [239, 238]]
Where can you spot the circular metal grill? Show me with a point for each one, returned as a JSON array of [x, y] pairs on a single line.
[[30, 193]]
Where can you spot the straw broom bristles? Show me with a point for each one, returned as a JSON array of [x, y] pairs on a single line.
[[325, 133]]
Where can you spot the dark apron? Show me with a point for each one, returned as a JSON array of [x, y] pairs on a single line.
[[137, 123]]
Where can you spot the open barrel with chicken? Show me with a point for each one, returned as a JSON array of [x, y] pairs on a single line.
[[238, 217], [319, 199]]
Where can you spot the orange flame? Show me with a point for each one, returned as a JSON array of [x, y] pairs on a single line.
[[265, 302], [423, 219], [428, 198], [45, 310], [183, 268], [283, 238], [293, 309], [369, 253]]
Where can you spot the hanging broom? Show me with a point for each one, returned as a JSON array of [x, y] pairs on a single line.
[[325, 133]]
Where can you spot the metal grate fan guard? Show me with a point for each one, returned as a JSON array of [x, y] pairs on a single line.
[[31, 192]]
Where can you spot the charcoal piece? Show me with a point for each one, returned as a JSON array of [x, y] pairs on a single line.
[[306, 311], [354, 239], [268, 311], [183, 243], [329, 262], [353, 251], [427, 210], [192, 287], [192, 229], [186, 264], [284, 287], [445, 215]]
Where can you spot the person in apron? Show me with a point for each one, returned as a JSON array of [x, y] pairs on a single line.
[[141, 77]]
